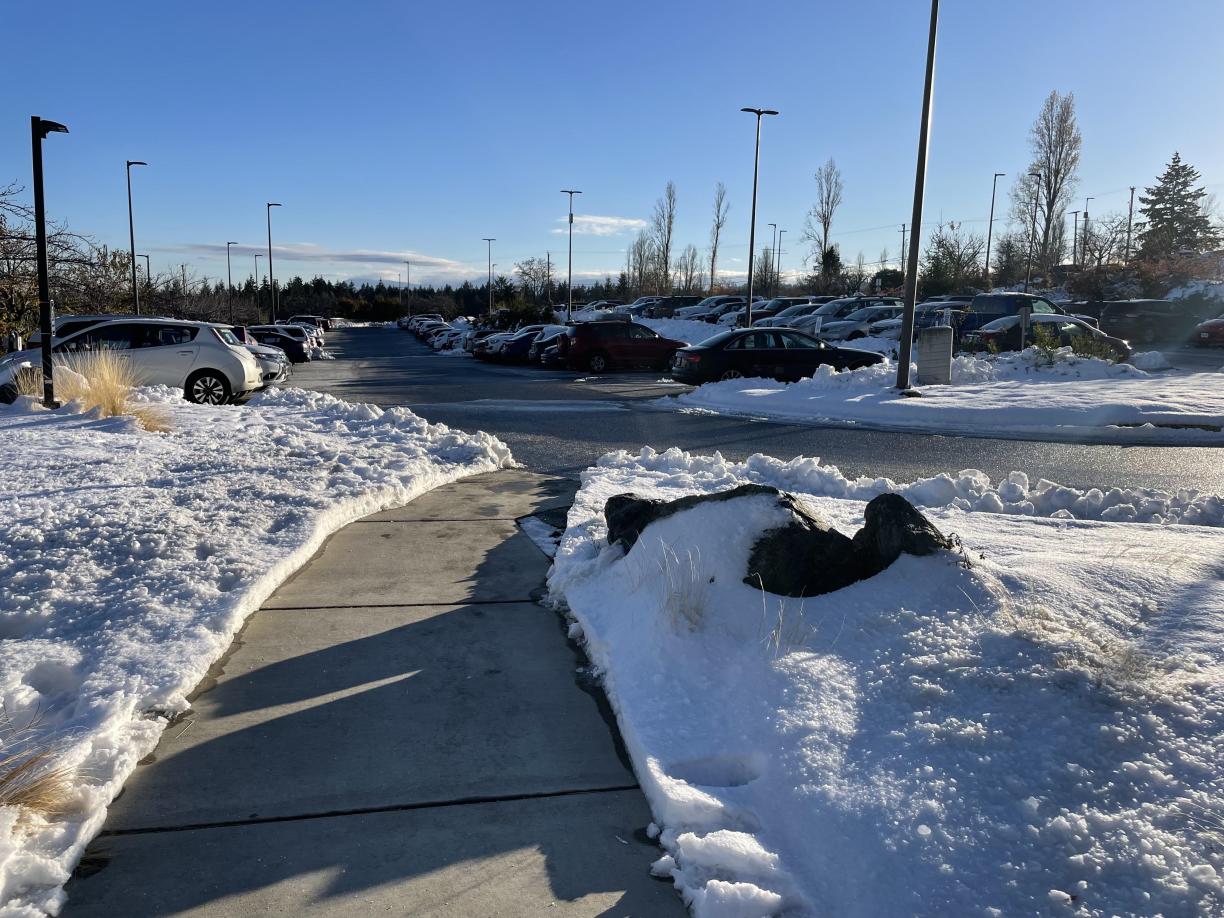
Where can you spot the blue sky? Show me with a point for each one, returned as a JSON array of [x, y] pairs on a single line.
[[393, 130]]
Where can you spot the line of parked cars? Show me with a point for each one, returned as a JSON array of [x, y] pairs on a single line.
[[212, 362]]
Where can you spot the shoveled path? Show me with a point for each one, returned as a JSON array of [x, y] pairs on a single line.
[[400, 730]]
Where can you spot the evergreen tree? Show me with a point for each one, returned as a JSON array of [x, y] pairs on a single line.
[[1173, 213]]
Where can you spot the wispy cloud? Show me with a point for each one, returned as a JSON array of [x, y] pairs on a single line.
[[594, 225], [309, 252]]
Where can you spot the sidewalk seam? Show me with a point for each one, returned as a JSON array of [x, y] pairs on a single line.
[[402, 605]]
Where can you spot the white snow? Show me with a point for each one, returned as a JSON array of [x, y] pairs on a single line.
[[1031, 723], [129, 559], [686, 330], [1028, 394]]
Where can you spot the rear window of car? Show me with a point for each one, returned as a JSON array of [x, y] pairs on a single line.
[[172, 335]]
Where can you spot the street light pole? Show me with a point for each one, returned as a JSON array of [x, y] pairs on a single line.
[[132, 231], [1130, 213], [756, 169], [257, 257], [911, 275], [229, 282], [271, 276], [408, 282], [569, 283], [1028, 270], [778, 263], [490, 241], [1074, 237], [904, 250], [773, 253], [148, 270], [39, 129], [994, 184], [1084, 247]]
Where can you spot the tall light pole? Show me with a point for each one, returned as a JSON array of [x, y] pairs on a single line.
[[148, 270], [778, 263], [756, 169], [1028, 270], [229, 282], [904, 250], [569, 283], [132, 231], [1074, 237], [257, 257], [490, 241], [994, 184], [1130, 213], [408, 282], [911, 275], [271, 276], [39, 129], [1084, 247]]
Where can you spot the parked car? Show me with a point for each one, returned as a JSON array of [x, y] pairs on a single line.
[[1210, 333], [296, 332], [65, 325], [766, 309], [666, 307], [318, 321], [986, 307], [835, 310], [858, 324], [272, 336], [518, 348], [1004, 334], [203, 359], [546, 339], [782, 354], [1146, 321], [701, 308], [274, 363], [639, 306], [603, 346]]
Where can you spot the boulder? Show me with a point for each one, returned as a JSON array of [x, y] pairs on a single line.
[[806, 557], [894, 526], [627, 514]]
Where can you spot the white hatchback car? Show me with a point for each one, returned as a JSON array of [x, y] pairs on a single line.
[[204, 359]]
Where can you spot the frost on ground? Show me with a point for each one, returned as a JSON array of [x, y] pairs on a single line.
[[1030, 726], [128, 560], [1034, 393]]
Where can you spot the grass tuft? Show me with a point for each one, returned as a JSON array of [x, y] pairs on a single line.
[[31, 776], [101, 381]]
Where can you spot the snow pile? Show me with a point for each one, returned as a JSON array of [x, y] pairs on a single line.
[[317, 353], [1199, 290], [1034, 393], [686, 330], [1150, 361], [128, 560], [1030, 725]]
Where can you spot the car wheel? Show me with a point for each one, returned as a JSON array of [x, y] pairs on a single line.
[[598, 363], [208, 387], [731, 374]]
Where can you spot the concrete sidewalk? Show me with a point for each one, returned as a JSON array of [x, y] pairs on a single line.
[[398, 731]]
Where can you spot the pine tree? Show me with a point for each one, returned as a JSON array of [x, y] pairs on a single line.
[[1173, 213]]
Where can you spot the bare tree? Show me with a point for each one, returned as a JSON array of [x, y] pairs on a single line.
[[819, 220], [662, 227], [1056, 141], [721, 207], [1105, 240], [952, 260], [641, 263], [688, 270], [534, 278]]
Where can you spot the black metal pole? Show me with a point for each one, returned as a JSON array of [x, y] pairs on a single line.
[[271, 276], [229, 282], [39, 130], [132, 232], [756, 169], [1028, 271], [257, 257], [911, 274], [569, 282]]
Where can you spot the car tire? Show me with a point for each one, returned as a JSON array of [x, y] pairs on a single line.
[[599, 362], [730, 374], [207, 387]]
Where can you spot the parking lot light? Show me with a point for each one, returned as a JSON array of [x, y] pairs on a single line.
[[271, 276], [756, 164], [132, 232], [39, 129], [490, 241], [229, 282], [569, 284], [994, 184], [1028, 270]]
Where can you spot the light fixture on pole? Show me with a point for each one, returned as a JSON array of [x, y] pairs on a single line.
[[1028, 270], [569, 283], [756, 167], [1074, 237], [778, 263], [994, 184], [271, 276], [148, 270], [39, 129], [229, 282], [911, 274], [490, 241], [1084, 247], [132, 231]]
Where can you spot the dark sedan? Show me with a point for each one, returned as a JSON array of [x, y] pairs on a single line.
[[294, 349], [782, 354], [1004, 335]]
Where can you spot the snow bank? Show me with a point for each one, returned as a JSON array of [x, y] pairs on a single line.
[[1025, 728], [128, 560], [1028, 394]]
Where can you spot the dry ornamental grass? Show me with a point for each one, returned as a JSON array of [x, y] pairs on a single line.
[[99, 380]]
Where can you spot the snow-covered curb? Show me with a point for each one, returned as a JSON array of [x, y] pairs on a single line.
[[1012, 395], [1028, 727], [128, 560]]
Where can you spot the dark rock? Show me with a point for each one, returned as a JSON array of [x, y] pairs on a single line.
[[893, 526], [806, 557], [627, 514]]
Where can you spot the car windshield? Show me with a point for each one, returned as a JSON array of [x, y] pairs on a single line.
[[797, 310], [867, 312], [228, 337], [831, 308]]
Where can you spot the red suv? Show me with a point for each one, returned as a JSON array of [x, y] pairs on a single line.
[[602, 346]]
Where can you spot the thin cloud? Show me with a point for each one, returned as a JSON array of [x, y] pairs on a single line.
[[309, 252], [594, 225]]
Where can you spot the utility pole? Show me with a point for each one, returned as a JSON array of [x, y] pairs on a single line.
[[911, 274], [994, 184], [773, 254], [1130, 213], [257, 257], [1028, 271], [490, 241], [569, 283], [1074, 237], [39, 129], [1084, 247], [778, 263], [229, 282], [548, 278], [148, 271], [184, 269], [756, 169], [408, 282], [132, 232], [271, 276]]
